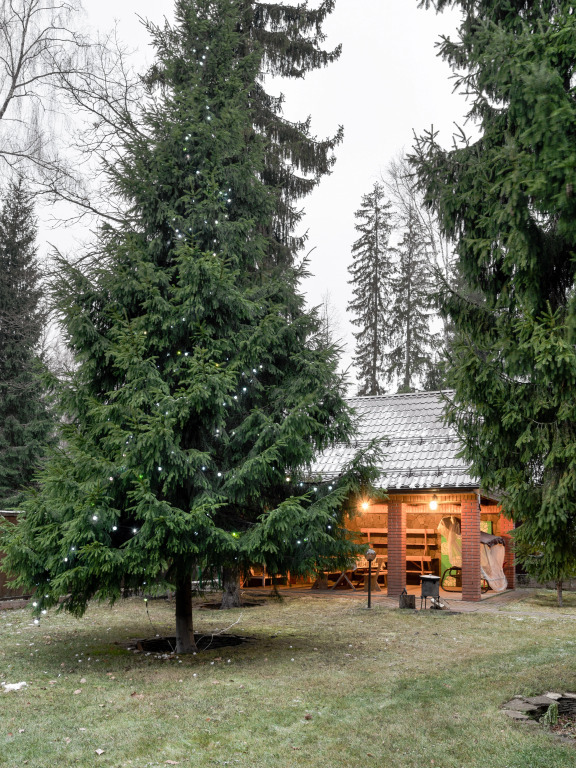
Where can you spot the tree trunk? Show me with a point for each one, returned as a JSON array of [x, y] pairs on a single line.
[[185, 642], [559, 592], [230, 588]]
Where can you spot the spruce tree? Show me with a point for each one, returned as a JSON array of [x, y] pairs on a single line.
[[508, 200], [24, 420], [371, 272], [197, 402], [410, 358], [290, 38], [401, 184]]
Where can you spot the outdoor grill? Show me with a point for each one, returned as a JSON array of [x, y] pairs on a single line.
[[430, 588]]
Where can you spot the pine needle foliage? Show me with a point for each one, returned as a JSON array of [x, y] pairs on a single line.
[[412, 343], [393, 288], [508, 200], [197, 403], [25, 424], [371, 275]]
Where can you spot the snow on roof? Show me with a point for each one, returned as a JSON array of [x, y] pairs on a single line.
[[420, 449]]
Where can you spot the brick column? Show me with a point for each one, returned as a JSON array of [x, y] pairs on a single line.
[[504, 528], [396, 548], [470, 550]]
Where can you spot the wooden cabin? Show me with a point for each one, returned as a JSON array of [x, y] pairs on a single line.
[[425, 482]]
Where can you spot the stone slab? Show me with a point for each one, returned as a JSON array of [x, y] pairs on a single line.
[[539, 701], [515, 715], [520, 705]]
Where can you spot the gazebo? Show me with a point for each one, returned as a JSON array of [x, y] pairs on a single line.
[[426, 483]]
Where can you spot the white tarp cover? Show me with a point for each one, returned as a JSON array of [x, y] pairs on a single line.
[[449, 527], [492, 552]]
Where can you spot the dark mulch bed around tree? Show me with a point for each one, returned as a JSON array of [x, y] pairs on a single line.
[[218, 606], [168, 644]]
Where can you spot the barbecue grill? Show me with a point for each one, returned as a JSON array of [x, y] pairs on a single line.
[[430, 588]]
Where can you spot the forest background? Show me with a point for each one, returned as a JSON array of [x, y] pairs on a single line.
[[387, 85]]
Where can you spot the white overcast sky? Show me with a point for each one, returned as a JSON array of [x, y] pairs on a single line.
[[387, 84]]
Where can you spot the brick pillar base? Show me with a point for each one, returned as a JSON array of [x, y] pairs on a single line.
[[396, 548], [471, 550], [504, 528]]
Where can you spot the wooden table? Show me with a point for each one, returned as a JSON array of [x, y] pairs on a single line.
[[345, 578], [322, 579]]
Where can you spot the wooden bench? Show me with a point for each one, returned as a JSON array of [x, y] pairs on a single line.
[[260, 575]]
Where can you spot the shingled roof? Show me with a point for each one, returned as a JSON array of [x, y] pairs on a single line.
[[420, 450]]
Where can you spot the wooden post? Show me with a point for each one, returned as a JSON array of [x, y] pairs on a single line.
[[396, 548], [471, 549]]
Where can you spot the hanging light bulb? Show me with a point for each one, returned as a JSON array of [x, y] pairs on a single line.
[[433, 503]]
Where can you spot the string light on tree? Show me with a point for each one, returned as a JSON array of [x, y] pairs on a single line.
[[203, 299]]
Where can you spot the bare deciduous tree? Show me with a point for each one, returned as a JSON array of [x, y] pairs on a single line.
[[38, 46], [330, 331], [400, 183], [106, 99]]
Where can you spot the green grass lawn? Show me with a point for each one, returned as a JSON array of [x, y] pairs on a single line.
[[323, 684]]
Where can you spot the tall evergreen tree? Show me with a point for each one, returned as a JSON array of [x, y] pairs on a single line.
[[24, 421], [371, 272], [411, 354], [401, 184], [290, 38], [508, 199], [197, 402]]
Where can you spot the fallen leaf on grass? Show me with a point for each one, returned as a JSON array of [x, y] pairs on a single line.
[[171, 762], [78, 690], [99, 751], [307, 716], [136, 695], [83, 680]]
